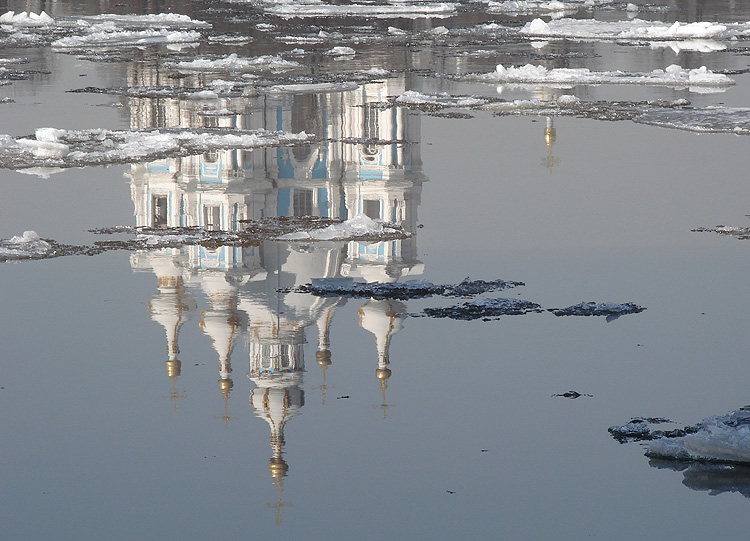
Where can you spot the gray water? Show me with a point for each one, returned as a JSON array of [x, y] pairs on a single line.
[[182, 393]]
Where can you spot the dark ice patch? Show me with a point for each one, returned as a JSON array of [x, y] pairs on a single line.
[[484, 309]]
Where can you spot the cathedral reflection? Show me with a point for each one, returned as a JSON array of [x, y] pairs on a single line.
[[357, 168]]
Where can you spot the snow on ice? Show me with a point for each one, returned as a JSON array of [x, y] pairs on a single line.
[[634, 29], [234, 63], [26, 246], [673, 75], [390, 10], [53, 147], [359, 227], [721, 438]]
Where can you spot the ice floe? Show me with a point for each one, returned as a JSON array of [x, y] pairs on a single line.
[[673, 75], [29, 245], [483, 308], [410, 289], [52, 147], [389, 10], [26, 246], [430, 102], [741, 233], [697, 45], [634, 29], [26, 18], [235, 63], [106, 30], [526, 7], [721, 439], [710, 119], [108, 37], [611, 310], [360, 227]]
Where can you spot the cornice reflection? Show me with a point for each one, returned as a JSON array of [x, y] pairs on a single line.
[[367, 162]]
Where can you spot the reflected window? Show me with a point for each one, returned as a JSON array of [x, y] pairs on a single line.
[[159, 211], [285, 360], [371, 208], [303, 202], [370, 130], [212, 156], [212, 217]]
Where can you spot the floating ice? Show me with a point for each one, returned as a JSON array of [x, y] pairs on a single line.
[[712, 119], [26, 246], [341, 51], [673, 75], [416, 99], [410, 289], [699, 45], [392, 10], [107, 37], [312, 88], [360, 227], [720, 439], [74, 148], [524, 7], [161, 20], [234, 63], [741, 233], [483, 308], [635, 29], [26, 19], [609, 309]]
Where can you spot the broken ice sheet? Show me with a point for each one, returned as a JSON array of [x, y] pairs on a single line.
[[741, 233], [30, 246], [433, 102], [718, 439], [711, 119], [486, 309], [672, 76], [388, 10], [360, 227], [410, 289], [51, 147], [611, 310], [31, 29], [235, 63], [636, 29]]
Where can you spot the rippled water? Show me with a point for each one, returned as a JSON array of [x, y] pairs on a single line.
[[199, 390]]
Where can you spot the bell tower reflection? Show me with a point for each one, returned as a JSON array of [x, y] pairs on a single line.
[[383, 318], [170, 307]]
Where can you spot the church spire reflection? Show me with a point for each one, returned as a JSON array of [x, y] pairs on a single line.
[[367, 162]]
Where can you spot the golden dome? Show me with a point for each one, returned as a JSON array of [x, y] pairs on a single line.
[[225, 384], [173, 368], [382, 373], [323, 357], [277, 468]]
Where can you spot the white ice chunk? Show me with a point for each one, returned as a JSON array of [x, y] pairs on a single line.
[[405, 10], [357, 227], [722, 438], [25, 246], [341, 51], [634, 29], [26, 19], [235, 63], [673, 75]]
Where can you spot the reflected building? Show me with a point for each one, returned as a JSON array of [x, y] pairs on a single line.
[[366, 162]]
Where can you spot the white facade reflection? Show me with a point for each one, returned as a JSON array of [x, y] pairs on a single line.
[[362, 165]]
